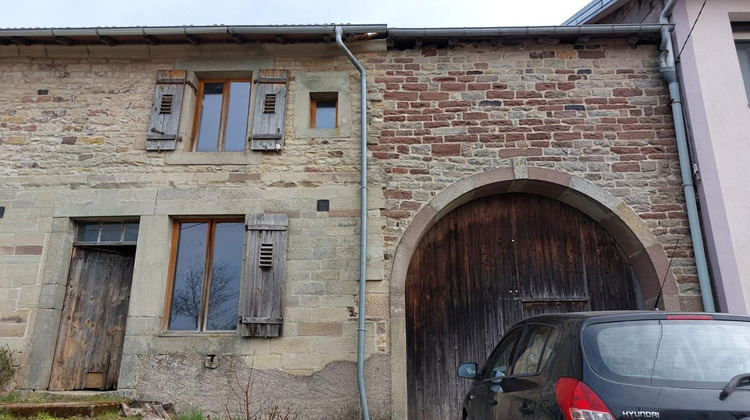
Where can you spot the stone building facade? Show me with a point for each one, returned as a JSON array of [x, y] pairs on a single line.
[[584, 121]]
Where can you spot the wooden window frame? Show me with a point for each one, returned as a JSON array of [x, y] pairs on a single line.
[[224, 109], [203, 313], [314, 98]]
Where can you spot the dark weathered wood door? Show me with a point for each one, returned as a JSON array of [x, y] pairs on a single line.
[[92, 326], [489, 264]]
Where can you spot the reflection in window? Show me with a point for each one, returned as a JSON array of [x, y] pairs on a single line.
[[206, 299], [531, 349], [222, 115], [499, 361]]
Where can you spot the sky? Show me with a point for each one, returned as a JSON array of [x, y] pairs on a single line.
[[394, 13]]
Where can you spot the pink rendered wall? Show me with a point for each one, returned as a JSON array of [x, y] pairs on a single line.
[[719, 117]]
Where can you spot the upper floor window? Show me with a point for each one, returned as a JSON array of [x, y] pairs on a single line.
[[743, 52], [741, 33], [222, 115], [323, 110], [221, 120]]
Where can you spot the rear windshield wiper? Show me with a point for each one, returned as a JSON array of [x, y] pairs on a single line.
[[732, 385]]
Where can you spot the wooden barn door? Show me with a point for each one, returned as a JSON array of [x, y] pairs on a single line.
[[92, 326], [489, 264]]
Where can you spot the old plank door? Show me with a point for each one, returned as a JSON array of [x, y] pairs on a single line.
[[487, 265], [92, 326]]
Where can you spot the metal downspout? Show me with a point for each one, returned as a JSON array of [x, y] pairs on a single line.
[[363, 227], [669, 72]]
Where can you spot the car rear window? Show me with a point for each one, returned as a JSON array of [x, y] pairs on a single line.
[[675, 353]]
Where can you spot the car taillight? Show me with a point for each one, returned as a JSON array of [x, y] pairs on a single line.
[[578, 402]]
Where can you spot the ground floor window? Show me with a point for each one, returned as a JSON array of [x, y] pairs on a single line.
[[206, 273]]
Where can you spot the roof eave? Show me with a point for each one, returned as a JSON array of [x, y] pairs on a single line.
[[594, 11], [183, 34]]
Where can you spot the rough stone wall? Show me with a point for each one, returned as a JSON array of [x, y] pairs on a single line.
[[598, 111], [326, 394], [72, 143]]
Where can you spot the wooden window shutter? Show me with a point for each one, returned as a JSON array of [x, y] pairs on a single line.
[[265, 271], [165, 113], [270, 109]]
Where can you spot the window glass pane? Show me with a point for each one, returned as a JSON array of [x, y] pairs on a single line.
[[88, 232], [226, 274], [499, 362], [325, 114], [685, 354], [131, 232], [743, 52], [210, 122], [530, 350], [548, 348], [188, 276], [239, 105], [111, 232]]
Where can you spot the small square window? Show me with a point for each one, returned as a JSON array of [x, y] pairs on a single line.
[[324, 110], [221, 115]]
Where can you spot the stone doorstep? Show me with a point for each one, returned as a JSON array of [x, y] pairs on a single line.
[[59, 408]]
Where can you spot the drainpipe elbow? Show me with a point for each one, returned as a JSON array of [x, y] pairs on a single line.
[[669, 73]]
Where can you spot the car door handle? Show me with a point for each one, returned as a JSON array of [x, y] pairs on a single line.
[[526, 410], [492, 402]]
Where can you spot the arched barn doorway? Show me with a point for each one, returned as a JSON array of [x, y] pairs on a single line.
[[488, 264]]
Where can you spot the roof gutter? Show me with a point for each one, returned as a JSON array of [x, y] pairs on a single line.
[[177, 34], [524, 31], [363, 226], [669, 72], [193, 30]]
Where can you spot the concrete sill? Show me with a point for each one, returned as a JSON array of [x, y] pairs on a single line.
[[196, 335], [179, 157]]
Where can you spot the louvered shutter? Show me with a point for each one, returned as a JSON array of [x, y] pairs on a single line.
[[165, 113], [265, 271], [270, 109]]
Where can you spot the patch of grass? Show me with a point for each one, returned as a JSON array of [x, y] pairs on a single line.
[[38, 397], [12, 397]]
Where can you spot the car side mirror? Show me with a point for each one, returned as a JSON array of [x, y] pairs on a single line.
[[468, 370]]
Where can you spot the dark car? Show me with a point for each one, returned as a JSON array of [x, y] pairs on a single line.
[[616, 365]]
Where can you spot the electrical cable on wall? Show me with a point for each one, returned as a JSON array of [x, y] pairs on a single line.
[[691, 30]]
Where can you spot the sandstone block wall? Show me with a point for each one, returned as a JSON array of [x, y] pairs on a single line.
[[599, 111], [72, 143]]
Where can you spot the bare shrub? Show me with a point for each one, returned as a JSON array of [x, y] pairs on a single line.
[[245, 402]]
